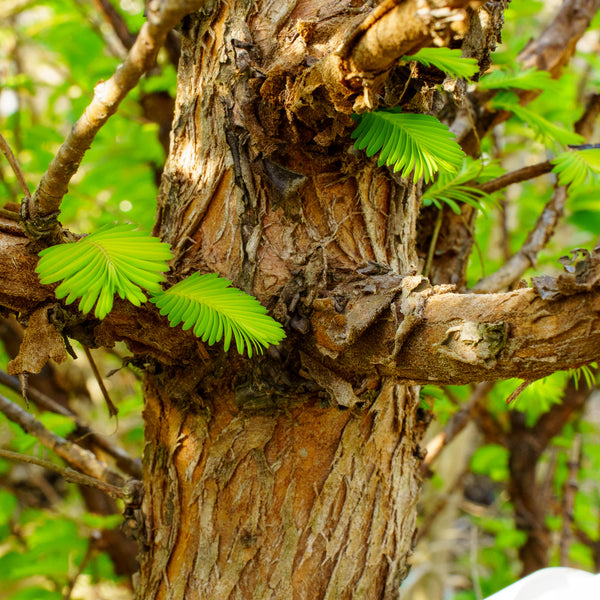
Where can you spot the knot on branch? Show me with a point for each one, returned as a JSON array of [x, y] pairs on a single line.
[[40, 227], [582, 274]]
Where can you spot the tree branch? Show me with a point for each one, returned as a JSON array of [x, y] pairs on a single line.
[[123, 460], [453, 338], [66, 473], [550, 51], [517, 176], [455, 425], [73, 454], [47, 198], [353, 74]]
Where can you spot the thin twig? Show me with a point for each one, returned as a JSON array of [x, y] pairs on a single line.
[[113, 411], [455, 425], [124, 461], [107, 97], [14, 163], [117, 23], [517, 176], [76, 456], [66, 473], [568, 503], [433, 242], [92, 544], [519, 390], [538, 237]]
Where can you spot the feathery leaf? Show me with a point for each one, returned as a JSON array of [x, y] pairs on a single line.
[[121, 259], [577, 168], [449, 61], [452, 188], [217, 311], [529, 79], [413, 143], [546, 131]]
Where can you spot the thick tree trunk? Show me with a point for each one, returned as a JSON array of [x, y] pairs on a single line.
[[309, 502], [259, 484]]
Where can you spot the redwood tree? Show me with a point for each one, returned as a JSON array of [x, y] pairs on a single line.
[[296, 474]]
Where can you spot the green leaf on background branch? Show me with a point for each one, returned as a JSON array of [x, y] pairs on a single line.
[[545, 131], [449, 61], [452, 188], [578, 168], [411, 143], [125, 260], [506, 79]]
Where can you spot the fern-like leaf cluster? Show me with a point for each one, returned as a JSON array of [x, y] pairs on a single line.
[[578, 168], [528, 79], [452, 188], [118, 259], [124, 260], [411, 143], [218, 312], [545, 131]]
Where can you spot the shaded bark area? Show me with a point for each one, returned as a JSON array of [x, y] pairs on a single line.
[[308, 502]]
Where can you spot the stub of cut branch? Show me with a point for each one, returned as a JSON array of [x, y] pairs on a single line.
[[53, 186]]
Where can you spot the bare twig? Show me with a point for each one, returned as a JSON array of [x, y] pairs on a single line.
[[95, 537], [433, 242], [569, 490], [116, 22], [587, 121], [509, 273], [123, 460], [6, 150], [113, 411], [66, 473], [456, 424], [47, 198], [11, 8], [76, 456], [523, 174]]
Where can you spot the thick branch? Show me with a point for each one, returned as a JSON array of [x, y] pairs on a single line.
[[446, 337], [353, 74], [107, 97]]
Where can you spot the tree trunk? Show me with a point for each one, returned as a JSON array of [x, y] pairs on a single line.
[[258, 483], [295, 474], [309, 502]]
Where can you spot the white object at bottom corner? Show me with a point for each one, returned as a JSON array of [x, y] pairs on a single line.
[[554, 583]]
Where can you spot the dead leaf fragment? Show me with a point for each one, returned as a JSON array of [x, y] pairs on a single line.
[[40, 342]]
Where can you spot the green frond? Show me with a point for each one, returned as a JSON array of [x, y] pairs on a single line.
[[218, 312], [449, 61], [412, 143], [578, 168], [121, 259], [452, 188], [529, 79], [546, 131]]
